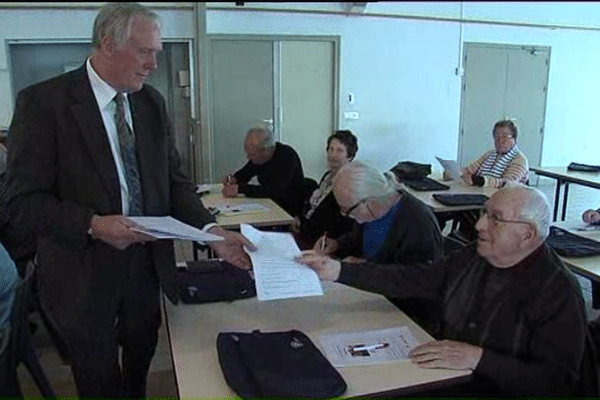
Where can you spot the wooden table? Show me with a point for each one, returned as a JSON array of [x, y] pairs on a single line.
[[585, 266], [456, 186], [273, 216], [193, 332], [564, 176]]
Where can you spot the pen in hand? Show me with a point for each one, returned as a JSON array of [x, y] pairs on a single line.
[[323, 241]]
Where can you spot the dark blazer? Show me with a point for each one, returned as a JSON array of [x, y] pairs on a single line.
[[62, 172]]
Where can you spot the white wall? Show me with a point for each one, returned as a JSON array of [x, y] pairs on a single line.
[[401, 71]]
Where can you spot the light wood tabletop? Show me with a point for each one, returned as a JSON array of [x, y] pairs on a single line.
[[273, 215], [564, 176], [193, 331]]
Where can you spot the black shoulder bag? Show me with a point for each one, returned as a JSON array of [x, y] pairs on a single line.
[[282, 364]]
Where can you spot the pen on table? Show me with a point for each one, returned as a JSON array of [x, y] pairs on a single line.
[[323, 241], [376, 346]]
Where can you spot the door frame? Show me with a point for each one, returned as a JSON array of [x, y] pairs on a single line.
[[462, 92], [208, 144]]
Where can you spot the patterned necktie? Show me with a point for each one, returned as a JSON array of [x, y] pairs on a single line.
[[129, 158]]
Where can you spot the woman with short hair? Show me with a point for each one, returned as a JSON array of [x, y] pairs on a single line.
[[322, 213], [503, 164]]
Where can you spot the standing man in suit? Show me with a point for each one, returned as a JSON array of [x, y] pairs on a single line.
[[88, 149]]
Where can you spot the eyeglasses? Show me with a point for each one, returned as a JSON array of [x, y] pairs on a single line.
[[502, 138], [497, 221], [347, 211]]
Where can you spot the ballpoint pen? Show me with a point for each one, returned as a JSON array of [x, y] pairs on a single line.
[[376, 346], [323, 241]]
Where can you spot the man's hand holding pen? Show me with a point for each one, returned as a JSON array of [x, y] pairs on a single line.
[[230, 186], [325, 246]]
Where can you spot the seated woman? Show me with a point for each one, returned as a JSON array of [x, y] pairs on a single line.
[[493, 169], [505, 163], [322, 213], [391, 227]]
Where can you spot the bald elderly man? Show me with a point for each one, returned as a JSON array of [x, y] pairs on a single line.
[[277, 168], [512, 312]]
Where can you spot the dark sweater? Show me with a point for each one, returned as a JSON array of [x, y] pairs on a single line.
[[280, 179], [529, 318], [413, 237]]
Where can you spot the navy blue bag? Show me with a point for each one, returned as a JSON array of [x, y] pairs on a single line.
[[281, 364], [213, 280]]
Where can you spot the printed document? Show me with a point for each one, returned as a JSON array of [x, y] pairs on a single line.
[[171, 228], [368, 347], [451, 167], [276, 274]]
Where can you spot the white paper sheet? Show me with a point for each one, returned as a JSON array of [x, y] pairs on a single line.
[[227, 209], [276, 274], [171, 228], [451, 167], [368, 347]]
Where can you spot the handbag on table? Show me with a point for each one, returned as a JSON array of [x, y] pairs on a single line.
[[277, 364]]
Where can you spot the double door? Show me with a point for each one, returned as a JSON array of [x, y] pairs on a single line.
[[288, 85], [503, 81]]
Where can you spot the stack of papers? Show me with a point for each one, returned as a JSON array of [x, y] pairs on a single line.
[[171, 228], [276, 273]]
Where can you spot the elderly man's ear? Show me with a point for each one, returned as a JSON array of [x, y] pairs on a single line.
[[528, 235]]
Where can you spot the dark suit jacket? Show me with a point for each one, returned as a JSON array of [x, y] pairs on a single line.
[[62, 172]]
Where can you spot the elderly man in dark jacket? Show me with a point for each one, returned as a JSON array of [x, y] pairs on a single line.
[[512, 312]]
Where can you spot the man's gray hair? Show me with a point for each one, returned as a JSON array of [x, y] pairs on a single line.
[[268, 137], [536, 209], [115, 19], [367, 181]]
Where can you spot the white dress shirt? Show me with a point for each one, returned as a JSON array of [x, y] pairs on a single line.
[[105, 94]]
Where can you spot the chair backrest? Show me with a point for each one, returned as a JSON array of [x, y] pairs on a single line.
[[21, 339]]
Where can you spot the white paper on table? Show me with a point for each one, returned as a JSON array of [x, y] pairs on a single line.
[[276, 274], [204, 188], [338, 347], [451, 167], [171, 228], [232, 209]]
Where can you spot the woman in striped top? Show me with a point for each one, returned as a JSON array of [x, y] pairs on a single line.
[[505, 163]]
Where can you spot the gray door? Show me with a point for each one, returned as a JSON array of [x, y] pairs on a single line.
[[284, 84], [307, 95], [242, 97], [503, 81]]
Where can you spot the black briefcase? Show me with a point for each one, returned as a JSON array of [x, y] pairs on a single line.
[[213, 280], [276, 364]]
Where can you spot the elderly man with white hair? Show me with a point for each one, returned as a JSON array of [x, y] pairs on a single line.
[[512, 312]]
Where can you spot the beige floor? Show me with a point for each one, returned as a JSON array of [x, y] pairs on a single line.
[[161, 382]]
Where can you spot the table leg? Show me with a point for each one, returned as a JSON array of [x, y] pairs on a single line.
[[565, 198], [595, 293], [556, 199]]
